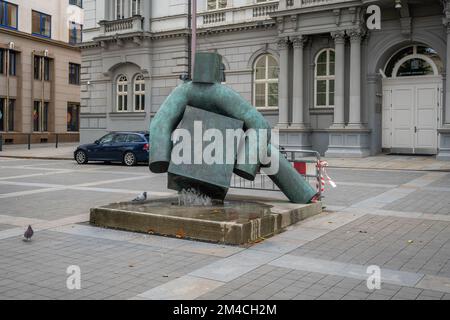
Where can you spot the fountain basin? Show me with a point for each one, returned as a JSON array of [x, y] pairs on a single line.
[[239, 220]]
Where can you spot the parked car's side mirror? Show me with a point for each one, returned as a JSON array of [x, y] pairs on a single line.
[[97, 142]]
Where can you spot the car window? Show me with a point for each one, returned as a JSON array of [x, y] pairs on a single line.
[[134, 138], [120, 138], [147, 136], [107, 139]]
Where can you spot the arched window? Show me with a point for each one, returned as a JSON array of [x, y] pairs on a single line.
[[265, 90], [122, 94], [139, 93], [414, 61], [325, 79]]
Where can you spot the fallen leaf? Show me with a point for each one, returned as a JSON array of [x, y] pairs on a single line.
[[410, 241], [181, 234]]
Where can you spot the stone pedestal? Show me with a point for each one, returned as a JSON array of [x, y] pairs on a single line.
[[348, 143], [295, 139], [444, 145], [240, 220]]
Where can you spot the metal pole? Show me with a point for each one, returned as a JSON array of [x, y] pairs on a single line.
[[57, 140], [29, 141], [189, 40], [193, 34], [6, 109], [1, 142]]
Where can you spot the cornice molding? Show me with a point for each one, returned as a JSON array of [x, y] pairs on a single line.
[[137, 38], [30, 37]]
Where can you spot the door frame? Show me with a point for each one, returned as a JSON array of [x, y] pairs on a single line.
[[390, 83]]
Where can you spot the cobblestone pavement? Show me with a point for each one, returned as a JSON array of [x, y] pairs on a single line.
[[398, 221]]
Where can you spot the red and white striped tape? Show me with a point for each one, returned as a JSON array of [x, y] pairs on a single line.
[[324, 177]]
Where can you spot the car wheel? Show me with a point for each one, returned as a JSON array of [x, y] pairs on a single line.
[[81, 157], [129, 159]]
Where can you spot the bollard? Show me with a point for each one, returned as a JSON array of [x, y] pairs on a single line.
[[1, 142], [57, 140], [29, 141]]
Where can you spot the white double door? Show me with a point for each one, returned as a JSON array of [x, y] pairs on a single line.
[[411, 112]]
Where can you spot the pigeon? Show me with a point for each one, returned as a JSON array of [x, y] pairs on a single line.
[[141, 198], [28, 234]]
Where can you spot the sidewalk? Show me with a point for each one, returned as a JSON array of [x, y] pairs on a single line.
[[40, 151], [392, 162], [382, 161]]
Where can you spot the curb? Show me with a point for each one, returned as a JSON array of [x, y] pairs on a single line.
[[35, 158]]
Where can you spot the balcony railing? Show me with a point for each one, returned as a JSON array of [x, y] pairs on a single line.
[[127, 25], [214, 17], [291, 4], [233, 15], [264, 10]]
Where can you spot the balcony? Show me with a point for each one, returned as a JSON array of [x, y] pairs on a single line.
[[294, 4], [122, 26], [235, 15]]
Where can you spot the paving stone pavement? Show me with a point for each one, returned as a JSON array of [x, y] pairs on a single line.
[[110, 269], [426, 201], [275, 283], [412, 245], [396, 220]]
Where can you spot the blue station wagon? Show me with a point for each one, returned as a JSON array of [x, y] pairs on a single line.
[[129, 148]]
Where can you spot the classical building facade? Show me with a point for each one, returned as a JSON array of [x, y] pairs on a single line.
[[40, 70], [314, 68]]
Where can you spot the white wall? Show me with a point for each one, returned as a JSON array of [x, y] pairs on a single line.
[[61, 13]]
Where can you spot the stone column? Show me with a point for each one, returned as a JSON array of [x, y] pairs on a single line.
[[283, 83], [298, 99], [146, 12], [355, 78], [339, 120], [447, 81]]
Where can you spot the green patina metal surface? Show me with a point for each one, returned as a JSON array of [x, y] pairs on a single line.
[[208, 94], [212, 179]]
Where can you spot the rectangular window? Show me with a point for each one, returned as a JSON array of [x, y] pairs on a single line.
[[2, 61], [10, 115], [2, 115], [7, 115], [40, 116], [41, 24], [8, 15], [73, 117], [74, 73], [46, 69], [12, 63], [41, 68], [217, 4], [78, 3], [120, 9], [36, 115], [45, 117], [135, 7], [37, 68], [75, 33]]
